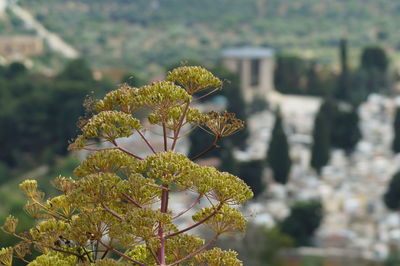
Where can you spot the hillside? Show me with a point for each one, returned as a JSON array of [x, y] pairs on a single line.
[[143, 32]]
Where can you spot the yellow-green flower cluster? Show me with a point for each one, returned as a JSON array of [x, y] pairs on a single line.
[[47, 232], [170, 168], [142, 190], [29, 187], [226, 219], [172, 117], [163, 95], [182, 245], [6, 256], [218, 257], [221, 186], [125, 99], [193, 78], [107, 161], [54, 259]]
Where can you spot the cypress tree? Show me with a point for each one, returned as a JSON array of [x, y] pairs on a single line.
[[321, 141], [343, 82], [278, 157], [396, 129], [228, 161], [392, 195], [345, 132], [251, 173]]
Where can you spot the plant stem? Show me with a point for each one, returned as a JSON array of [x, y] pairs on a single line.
[[126, 196], [176, 133], [190, 206], [164, 208], [165, 137], [210, 148], [147, 142]]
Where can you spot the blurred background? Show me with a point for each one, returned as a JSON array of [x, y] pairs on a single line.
[[317, 83]]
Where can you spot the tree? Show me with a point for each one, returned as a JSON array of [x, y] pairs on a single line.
[[303, 220], [252, 172], [374, 57], [289, 73], [314, 84], [342, 91], [345, 132], [118, 202], [375, 63], [392, 195], [77, 70], [228, 160], [278, 157], [321, 140], [396, 129]]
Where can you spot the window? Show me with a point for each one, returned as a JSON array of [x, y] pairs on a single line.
[[254, 72]]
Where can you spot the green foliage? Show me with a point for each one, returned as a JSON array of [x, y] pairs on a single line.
[[374, 57], [321, 139], [342, 90], [345, 130], [142, 32], [32, 104], [278, 156], [303, 220], [228, 161], [396, 130], [252, 173], [289, 74], [118, 201], [375, 63], [392, 195], [340, 122]]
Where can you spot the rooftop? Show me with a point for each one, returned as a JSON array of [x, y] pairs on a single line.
[[248, 52]]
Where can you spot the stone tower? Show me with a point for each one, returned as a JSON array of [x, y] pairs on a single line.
[[255, 66]]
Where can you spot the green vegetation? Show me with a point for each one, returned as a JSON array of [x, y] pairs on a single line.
[[278, 157], [321, 148], [392, 195], [303, 220], [396, 131], [38, 113], [154, 32]]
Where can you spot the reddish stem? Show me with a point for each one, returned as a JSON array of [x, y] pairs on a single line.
[[190, 206], [164, 209], [210, 148], [147, 142], [131, 200], [113, 213], [176, 133]]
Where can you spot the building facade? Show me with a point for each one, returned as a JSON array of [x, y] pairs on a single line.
[[19, 47], [255, 66]]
